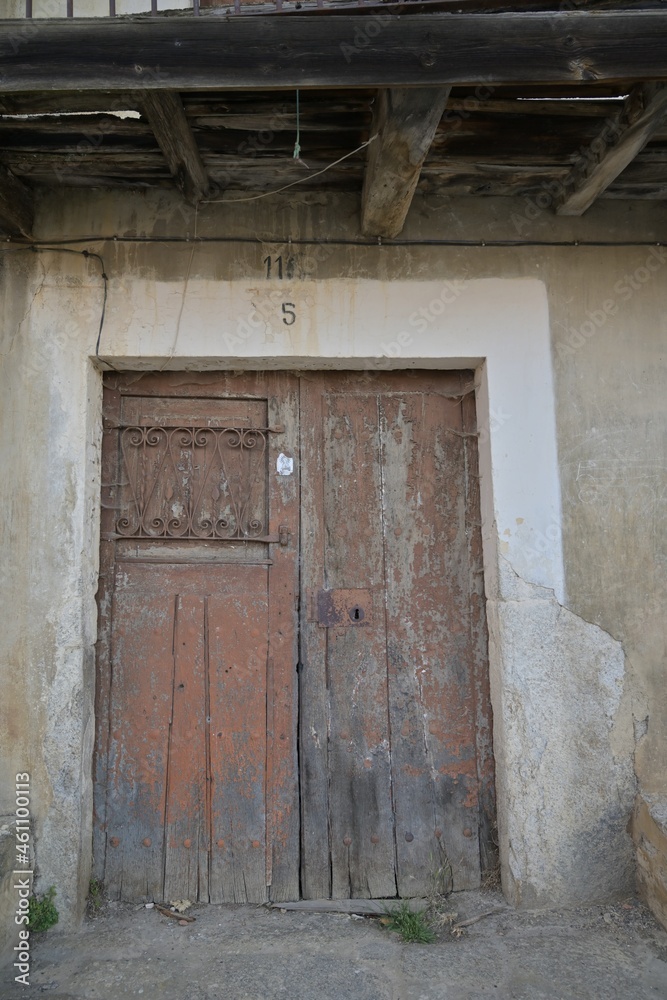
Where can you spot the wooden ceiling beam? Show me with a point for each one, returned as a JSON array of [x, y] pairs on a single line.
[[16, 205], [405, 122], [614, 148], [426, 50], [166, 116]]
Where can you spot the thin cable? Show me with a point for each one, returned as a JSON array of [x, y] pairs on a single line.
[[481, 244], [41, 248], [104, 309], [297, 143], [310, 177]]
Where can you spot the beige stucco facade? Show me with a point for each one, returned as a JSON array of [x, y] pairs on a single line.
[[568, 342]]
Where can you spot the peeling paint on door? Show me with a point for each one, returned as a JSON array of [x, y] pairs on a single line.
[[199, 766]]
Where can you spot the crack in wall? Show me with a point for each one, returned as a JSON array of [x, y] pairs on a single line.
[[34, 295]]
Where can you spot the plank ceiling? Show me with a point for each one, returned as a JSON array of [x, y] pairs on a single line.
[[567, 104]]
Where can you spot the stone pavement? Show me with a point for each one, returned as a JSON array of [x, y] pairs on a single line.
[[604, 952]]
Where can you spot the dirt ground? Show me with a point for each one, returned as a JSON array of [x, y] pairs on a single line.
[[604, 952]]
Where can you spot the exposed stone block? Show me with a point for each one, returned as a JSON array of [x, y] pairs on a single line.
[[649, 832]]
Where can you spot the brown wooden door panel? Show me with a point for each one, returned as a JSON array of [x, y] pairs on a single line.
[[199, 773], [189, 722], [195, 796], [386, 499]]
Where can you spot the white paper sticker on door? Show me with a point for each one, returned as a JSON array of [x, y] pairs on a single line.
[[284, 465]]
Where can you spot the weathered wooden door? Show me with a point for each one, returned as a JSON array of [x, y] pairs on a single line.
[[216, 778], [196, 752], [396, 763]]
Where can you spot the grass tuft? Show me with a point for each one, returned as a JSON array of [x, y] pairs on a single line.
[[95, 896], [411, 926], [42, 912]]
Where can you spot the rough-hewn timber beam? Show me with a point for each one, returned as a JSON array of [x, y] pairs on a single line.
[[16, 205], [405, 122], [166, 117], [616, 146], [426, 50]]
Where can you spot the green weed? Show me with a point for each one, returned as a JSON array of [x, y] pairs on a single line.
[[411, 926], [95, 896], [42, 912]]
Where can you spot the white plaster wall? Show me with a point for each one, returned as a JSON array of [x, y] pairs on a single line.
[[49, 493]]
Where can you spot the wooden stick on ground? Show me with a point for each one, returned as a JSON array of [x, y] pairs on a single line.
[[171, 913], [473, 920]]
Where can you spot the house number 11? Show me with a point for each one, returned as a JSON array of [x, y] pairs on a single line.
[[288, 308]]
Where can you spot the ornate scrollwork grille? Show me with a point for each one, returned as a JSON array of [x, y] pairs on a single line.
[[193, 482]]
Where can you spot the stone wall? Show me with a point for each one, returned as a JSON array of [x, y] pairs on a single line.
[[649, 832]]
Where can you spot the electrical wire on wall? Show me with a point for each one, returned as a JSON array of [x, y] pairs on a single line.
[[47, 248], [313, 242]]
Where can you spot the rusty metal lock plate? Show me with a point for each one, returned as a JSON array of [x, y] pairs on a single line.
[[342, 608]]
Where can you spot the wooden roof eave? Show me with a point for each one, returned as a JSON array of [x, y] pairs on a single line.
[[255, 53], [153, 64]]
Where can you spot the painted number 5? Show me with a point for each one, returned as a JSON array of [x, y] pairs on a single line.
[[289, 313]]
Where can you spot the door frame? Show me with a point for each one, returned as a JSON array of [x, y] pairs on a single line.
[[500, 328], [285, 396]]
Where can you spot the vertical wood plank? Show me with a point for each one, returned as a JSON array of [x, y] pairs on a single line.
[[360, 808], [479, 653], [141, 705], [406, 526], [282, 789], [428, 621], [186, 822], [313, 695], [237, 635]]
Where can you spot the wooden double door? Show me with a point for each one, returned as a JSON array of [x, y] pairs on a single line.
[[292, 695]]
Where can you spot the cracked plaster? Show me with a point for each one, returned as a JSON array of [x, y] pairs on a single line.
[[565, 755]]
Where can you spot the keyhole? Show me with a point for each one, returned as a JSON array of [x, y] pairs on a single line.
[[356, 613]]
